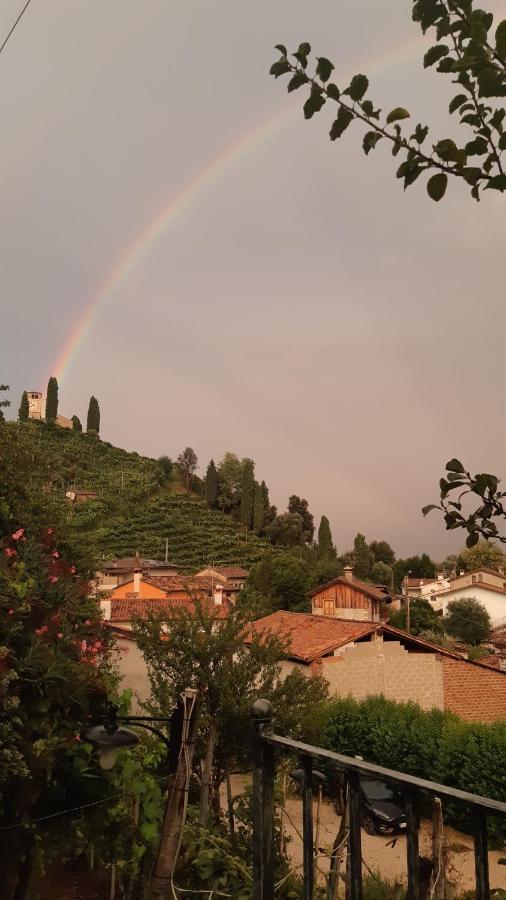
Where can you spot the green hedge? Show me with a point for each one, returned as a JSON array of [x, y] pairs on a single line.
[[435, 745]]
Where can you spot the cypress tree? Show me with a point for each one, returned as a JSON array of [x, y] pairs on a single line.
[[52, 400], [93, 420], [211, 486], [247, 492], [363, 558], [76, 423], [325, 546], [24, 409], [258, 509]]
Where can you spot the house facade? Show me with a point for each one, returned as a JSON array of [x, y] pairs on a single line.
[[488, 586], [118, 571], [348, 598]]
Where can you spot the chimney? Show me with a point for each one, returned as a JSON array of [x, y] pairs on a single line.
[[218, 595], [348, 573], [137, 581]]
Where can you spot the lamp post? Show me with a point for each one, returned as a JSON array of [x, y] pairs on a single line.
[[111, 736]]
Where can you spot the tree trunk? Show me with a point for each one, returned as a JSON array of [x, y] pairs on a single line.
[[230, 808], [207, 773]]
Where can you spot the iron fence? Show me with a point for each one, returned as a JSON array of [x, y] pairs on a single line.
[[265, 745]]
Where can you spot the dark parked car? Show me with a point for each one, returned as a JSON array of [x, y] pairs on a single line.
[[382, 807]]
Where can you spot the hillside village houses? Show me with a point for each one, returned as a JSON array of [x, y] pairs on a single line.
[[345, 638], [488, 586]]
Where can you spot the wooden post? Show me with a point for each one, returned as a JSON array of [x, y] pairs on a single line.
[[263, 804], [438, 867], [412, 850], [307, 827], [481, 856], [230, 807], [317, 834], [355, 838], [175, 811]]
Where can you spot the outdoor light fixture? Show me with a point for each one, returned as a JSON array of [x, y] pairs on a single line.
[[111, 736]]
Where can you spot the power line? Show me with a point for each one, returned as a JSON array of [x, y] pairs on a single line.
[[62, 812], [25, 7]]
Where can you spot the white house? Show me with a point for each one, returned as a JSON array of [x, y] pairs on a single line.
[[488, 586]]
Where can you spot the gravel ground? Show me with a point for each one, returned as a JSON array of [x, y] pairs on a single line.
[[388, 861]]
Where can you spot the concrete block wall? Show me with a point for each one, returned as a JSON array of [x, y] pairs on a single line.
[[385, 667]]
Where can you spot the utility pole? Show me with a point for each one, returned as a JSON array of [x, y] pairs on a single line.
[[166, 550], [408, 603]]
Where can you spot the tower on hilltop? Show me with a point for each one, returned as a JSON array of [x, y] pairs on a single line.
[[34, 404]]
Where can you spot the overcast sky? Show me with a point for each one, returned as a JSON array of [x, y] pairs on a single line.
[[301, 310]]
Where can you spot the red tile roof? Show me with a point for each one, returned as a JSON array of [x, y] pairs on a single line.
[[475, 693], [226, 571], [368, 589], [309, 637], [124, 610]]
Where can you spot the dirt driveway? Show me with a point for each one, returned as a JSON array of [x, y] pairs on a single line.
[[388, 861]]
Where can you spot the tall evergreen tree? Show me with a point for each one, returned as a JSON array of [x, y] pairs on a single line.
[[3, 403], [362, 558], [93, 420], [270, 512], [76, 423], [247, 492], [52, 400], [24, 409], [211, 486], [325, 546], [258, 509], [300, 507]]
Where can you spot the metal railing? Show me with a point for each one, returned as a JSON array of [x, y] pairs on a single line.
[[266, 742]]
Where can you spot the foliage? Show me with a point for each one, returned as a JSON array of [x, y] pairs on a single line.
[[164, 467], [284, 580], [481, 521], [76, 424], [211, 486], [93, 417], [285, 530], [24, 408], [484, 555], [468, 620], [422, 618], [468, 50], [229, 481], [52, 400], [414, 566], [325, 545], [435, 745], [55, 665], [362, 558], [187, 462], [247, 492], [299, 506], [3, 402], [381, 573], [475, 652], [382, 552], [259, 508]]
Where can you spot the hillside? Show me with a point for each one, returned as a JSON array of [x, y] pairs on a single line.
[[136, 510]]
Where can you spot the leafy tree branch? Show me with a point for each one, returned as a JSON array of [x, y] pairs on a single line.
[[478, 67]]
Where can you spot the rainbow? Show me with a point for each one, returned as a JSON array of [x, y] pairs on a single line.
[[179, 204]]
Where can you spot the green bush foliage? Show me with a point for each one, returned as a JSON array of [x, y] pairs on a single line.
[[435, 745]]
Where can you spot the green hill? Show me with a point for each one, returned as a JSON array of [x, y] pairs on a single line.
[[136, 509]]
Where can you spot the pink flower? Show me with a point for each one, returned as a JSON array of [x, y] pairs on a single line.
[[60, 634], [11, 612], [77, 738], [55, 554], [84, 646], [53, 579], [88, 622], [73, 570], [42, 630], [50, 530], [18, 534]]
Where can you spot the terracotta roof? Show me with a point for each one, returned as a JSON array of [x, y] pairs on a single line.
[[127, 609], [495, 572], [226, 571], [185, 583], [368, 589], [309, 637], [475, 693]]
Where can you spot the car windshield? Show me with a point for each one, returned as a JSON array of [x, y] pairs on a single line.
[[378, 790]]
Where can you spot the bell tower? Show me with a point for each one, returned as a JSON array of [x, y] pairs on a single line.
[[34, 404]]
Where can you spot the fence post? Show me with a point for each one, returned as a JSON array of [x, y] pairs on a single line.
[[413, 852], [307, 827], [263, 803], [481, 856]]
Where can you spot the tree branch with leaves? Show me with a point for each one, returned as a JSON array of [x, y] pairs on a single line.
[[467, 48]]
